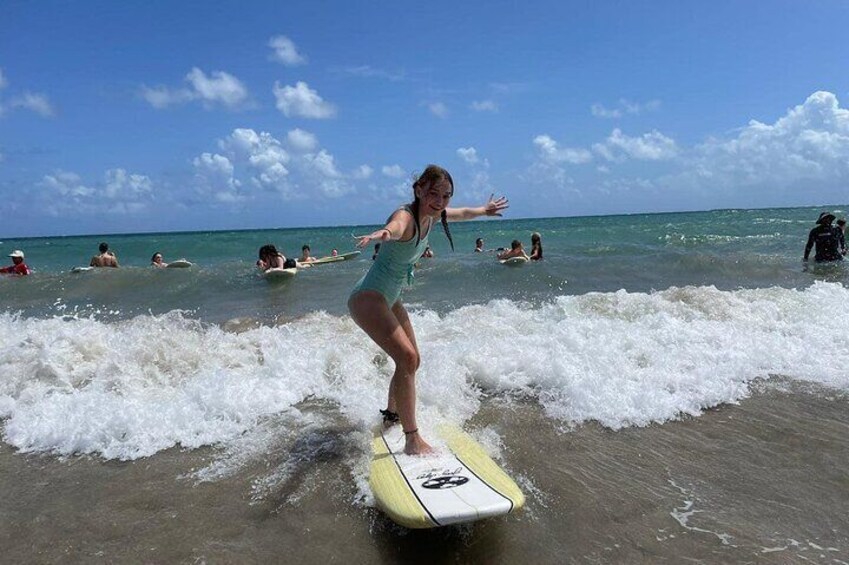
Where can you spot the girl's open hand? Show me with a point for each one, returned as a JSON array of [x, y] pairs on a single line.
[[382, 234], [496, 205]]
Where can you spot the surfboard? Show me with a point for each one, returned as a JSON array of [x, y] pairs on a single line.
[[513, 261], [460, 483], [279, 274], [332, 259], [179, 264]]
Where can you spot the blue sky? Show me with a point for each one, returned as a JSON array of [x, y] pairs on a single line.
[[160, 116]]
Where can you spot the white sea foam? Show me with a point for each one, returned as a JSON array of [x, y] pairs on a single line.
[[132, 388]]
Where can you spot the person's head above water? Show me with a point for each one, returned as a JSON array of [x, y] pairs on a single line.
[[516, 244], [104, 247], [432, 190], [156, 257], [268, 251], [535, 237]]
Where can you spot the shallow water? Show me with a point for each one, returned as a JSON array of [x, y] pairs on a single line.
[[760, 482]]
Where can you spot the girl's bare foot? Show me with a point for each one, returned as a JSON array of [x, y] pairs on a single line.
[[415, 445]]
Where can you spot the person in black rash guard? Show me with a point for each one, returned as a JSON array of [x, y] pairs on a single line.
[[827, 239]]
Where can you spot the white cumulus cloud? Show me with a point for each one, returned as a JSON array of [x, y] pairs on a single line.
[[66, 183], [392, 171], [263, 153], [468, 154], [259, 161], [652, 146], [301, 101], [37, 103], [32, 101], [321, 169], [800, 156], [550, 151], [301, 140], [161, 97], [324, 164], [214, 176], [285, 51], [809, 143], [215, 164], [121, 184], [120, 192], [218, 88], [360, 173]]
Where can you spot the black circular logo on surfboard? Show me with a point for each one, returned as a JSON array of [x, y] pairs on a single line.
[[449, 481]]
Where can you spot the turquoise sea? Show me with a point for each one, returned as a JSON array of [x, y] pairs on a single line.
[[725, 249], [662, 386]]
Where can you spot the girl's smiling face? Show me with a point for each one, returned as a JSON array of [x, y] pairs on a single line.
[[434, 197]]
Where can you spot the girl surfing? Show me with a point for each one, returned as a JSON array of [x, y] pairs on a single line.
[[374, 303]]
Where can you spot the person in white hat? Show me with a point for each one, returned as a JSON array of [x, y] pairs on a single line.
[[18, 266], [827, 239]]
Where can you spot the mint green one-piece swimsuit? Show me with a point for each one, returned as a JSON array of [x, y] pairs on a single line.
[[393, 266]]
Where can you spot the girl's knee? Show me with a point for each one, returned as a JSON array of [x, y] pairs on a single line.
[[408, 361]]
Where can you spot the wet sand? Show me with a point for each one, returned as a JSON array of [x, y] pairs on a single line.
[[765, 481]]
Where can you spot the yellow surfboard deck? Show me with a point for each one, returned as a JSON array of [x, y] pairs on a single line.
[[456, 485]]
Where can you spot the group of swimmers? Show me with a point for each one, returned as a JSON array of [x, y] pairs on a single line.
[[105, 258], [271, 258], [108, 258], [517, 248]]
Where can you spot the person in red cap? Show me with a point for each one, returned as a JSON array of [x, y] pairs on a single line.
[[18, 267]]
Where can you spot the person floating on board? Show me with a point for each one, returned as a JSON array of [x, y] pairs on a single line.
[[827, 239], [157, 262], [306, 256], [516, 250], [375, 303], [536, 246], [270, 258], [479, 245], [18, 267], [106, 258]]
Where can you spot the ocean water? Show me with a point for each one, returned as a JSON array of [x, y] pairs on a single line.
[[660, 360]]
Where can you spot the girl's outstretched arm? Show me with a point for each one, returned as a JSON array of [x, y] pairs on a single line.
[[493, 207], [396, 228]]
